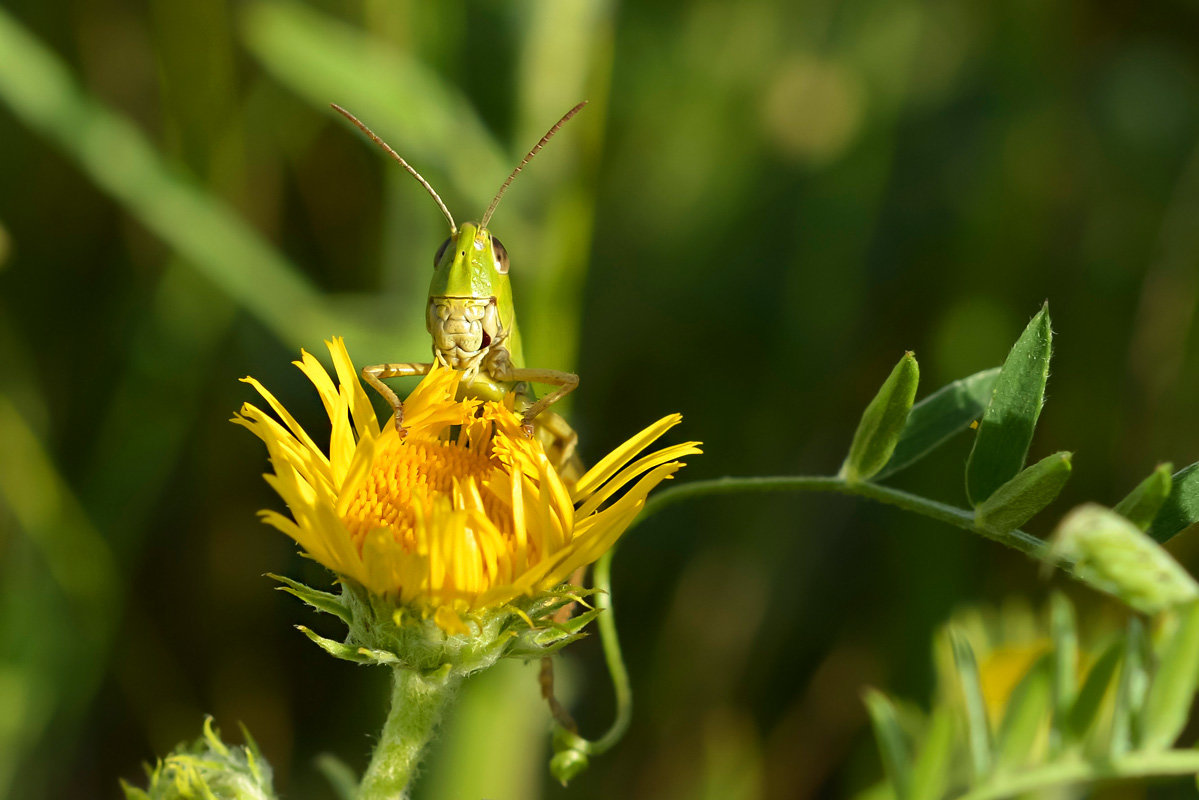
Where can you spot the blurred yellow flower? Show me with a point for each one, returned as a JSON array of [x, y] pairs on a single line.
[[463, 513]]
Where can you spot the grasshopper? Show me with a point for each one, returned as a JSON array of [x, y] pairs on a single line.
[[472, 321]]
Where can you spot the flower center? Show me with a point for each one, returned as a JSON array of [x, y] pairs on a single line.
[[411, 473]]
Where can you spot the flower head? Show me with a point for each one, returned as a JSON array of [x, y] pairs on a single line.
[[463, 513]]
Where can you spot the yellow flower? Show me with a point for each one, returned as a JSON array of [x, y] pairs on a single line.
[[464, 513]]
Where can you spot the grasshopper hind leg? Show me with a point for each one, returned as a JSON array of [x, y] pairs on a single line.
[[560, 442]]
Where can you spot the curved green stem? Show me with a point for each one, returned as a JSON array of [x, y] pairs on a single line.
[[612, 656], [958, 517], [417, 701]]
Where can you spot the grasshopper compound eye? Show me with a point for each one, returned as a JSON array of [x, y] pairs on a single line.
[[501, 256], [441, 252]]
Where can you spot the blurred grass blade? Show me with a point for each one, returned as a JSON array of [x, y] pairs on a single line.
[[1090, 699], [882, 421], [114, 154], [1064, 632], [930, 773], [1130, 692], [1006, 429], [1018, 500], [339, 774], [978, 729], [1173, 690], [939, 416], [892, 744], [1142, 503], [1115, 556], [1181, 509], [1027, 710], [325, 60]]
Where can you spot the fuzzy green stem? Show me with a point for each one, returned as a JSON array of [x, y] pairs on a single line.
[[417, 701], [958, 517]]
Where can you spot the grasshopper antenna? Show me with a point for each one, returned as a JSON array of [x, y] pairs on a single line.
[[374, 138], [536, 148]]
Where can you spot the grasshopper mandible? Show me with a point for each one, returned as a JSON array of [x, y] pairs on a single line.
[[472, 321]]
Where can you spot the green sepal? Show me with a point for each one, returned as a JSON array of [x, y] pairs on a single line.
[[1087, 705], [338, 649], [892, 744], [1027, 709], [1114, 556], [1181, 509], [882, 422], [930, 772], [321, 601], [549, 640], [978, 729], [1006, 429], [936, 418], [1144, 502], [1018, 500], [1169, 701]]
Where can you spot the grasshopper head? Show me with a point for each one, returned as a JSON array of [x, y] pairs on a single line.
[[470, 299]]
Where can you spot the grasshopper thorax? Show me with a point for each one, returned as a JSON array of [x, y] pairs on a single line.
[[470, 315]]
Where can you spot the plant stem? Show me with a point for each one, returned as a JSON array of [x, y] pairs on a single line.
[[417, 701], [958, 517], [1140, 765], [616, 667]]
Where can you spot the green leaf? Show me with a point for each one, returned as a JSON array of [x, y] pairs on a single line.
[[930, 773], [321, 601], [1026, 711], [1090, 698], [1007, 425], [1142, 503], [936, 418], [1114, 556], [1065, 666], [346, 652], [892, 745], [882, 422], [1181, 509], [978, 729], [1130, 693], [1018, 500], [1170, 696]]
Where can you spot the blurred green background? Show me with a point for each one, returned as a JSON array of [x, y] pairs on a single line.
[[764, 205]]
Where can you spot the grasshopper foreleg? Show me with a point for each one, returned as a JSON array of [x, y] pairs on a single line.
[[374, 375]]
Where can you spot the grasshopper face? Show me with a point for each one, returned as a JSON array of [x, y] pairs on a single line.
[[470, 299]]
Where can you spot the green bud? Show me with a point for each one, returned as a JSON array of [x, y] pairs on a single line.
[[882, 422], [1016, 501], [1142, 503], [567, 764], [1115, 556], [210, 769]]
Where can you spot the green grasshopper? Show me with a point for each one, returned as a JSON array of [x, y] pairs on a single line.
[[472, 320]]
